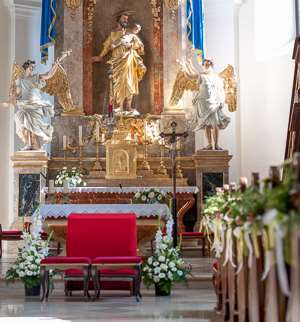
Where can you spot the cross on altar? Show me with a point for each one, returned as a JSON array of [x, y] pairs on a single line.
[[173, 137]]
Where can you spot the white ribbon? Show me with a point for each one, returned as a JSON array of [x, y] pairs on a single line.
[[228, 250], [281, 268], [250, 247], [268, 263]]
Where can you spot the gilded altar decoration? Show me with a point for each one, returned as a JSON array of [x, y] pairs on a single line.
[[90, 14], [155, 8], [73, 4], [57, 84], [17, 72]]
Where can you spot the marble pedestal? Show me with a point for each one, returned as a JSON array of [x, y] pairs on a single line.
[[30, 170], [212, 170]]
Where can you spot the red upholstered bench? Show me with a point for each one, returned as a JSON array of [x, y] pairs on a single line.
[[112, 240], [105, 243], [9, 235]]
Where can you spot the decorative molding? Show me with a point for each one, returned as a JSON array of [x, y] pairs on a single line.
[[26, 9]]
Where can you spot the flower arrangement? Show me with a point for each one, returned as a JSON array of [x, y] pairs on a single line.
[[166, 266], [151, 196], [73, 176], [27, 264]]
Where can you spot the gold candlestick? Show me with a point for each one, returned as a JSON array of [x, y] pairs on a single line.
[[162, 168], [179, 173], [97, 165]]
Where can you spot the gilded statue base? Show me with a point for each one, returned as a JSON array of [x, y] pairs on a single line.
[[76, 112]]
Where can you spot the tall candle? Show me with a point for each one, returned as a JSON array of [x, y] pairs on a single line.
[[80, 134], [97, 132], [64, 142]]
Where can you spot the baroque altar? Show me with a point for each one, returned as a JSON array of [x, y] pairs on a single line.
[[113, 134]]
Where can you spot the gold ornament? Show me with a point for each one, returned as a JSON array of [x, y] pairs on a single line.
[[73, 4], [172, 4]]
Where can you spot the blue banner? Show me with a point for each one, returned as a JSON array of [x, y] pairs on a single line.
[[47, 28], [195, 30]]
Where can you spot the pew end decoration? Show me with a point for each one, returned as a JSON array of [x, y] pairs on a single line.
[[253, 230]]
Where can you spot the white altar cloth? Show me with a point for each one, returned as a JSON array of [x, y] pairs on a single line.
[[141, 210], [187, 189]]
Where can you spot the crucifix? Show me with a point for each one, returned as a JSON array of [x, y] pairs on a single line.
[[173, 137]]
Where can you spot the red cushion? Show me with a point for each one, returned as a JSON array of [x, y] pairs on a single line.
[[11, 232], [102, 235], [66, 260], [192, 233], [117, 260]]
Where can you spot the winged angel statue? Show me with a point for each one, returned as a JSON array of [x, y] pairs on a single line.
[[212, 92], [25, 93]]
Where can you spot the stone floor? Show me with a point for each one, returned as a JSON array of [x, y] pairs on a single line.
[[190, 303]]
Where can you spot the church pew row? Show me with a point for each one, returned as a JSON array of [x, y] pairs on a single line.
[[252, 289]]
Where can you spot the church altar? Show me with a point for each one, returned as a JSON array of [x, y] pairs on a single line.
[[149, 218]]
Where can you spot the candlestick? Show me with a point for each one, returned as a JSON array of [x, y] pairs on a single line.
[[97, 132], [64, 143], [80, 134]]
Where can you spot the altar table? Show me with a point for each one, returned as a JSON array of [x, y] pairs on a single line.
[[149, 217]]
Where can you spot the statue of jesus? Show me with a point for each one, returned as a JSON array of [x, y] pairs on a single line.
[[126, 65]]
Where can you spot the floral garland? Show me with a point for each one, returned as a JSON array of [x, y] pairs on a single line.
[[151, 196], [253, 218]]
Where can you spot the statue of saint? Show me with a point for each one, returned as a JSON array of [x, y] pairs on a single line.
[[126, 64], [32, 109], [208, 103], [212, 93]]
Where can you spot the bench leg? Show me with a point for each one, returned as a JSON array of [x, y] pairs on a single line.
[[86, 279], [43, 283], [96, 281]]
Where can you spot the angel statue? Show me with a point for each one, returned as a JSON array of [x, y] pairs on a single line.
[[212, 93], [25, 94]]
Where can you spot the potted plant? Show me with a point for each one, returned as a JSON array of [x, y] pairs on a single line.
[[73, 176], [27, 265], [165, 267]]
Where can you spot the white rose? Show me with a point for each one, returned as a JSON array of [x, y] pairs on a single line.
[[159, 197], [155, 264], [170, 275], [161, 258], [137, 195], [179, 273], [157, 270], [162, 275], [164, 267], [172, 264], [150, 260], [151, 195], [21, 274], [174, 269], [143, 198]]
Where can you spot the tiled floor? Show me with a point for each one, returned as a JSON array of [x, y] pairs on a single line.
[[192, 304]]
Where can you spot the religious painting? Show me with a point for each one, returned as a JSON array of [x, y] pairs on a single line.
[[211, 180], [123, 57], [29, 194]]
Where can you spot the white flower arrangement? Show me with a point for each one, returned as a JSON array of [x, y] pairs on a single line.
[[73, 176], [166, 266], [151, 196], [27, 264]]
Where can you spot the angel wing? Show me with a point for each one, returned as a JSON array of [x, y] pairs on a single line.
[[17, 72], [230, 87], [57, 84], [184, 81]]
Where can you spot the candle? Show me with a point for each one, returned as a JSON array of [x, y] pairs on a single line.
[[80, 134], [64, 143], [110, 110], [97, 132]]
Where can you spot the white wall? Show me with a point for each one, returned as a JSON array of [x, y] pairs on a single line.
[[6, 114], [266, 75]]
